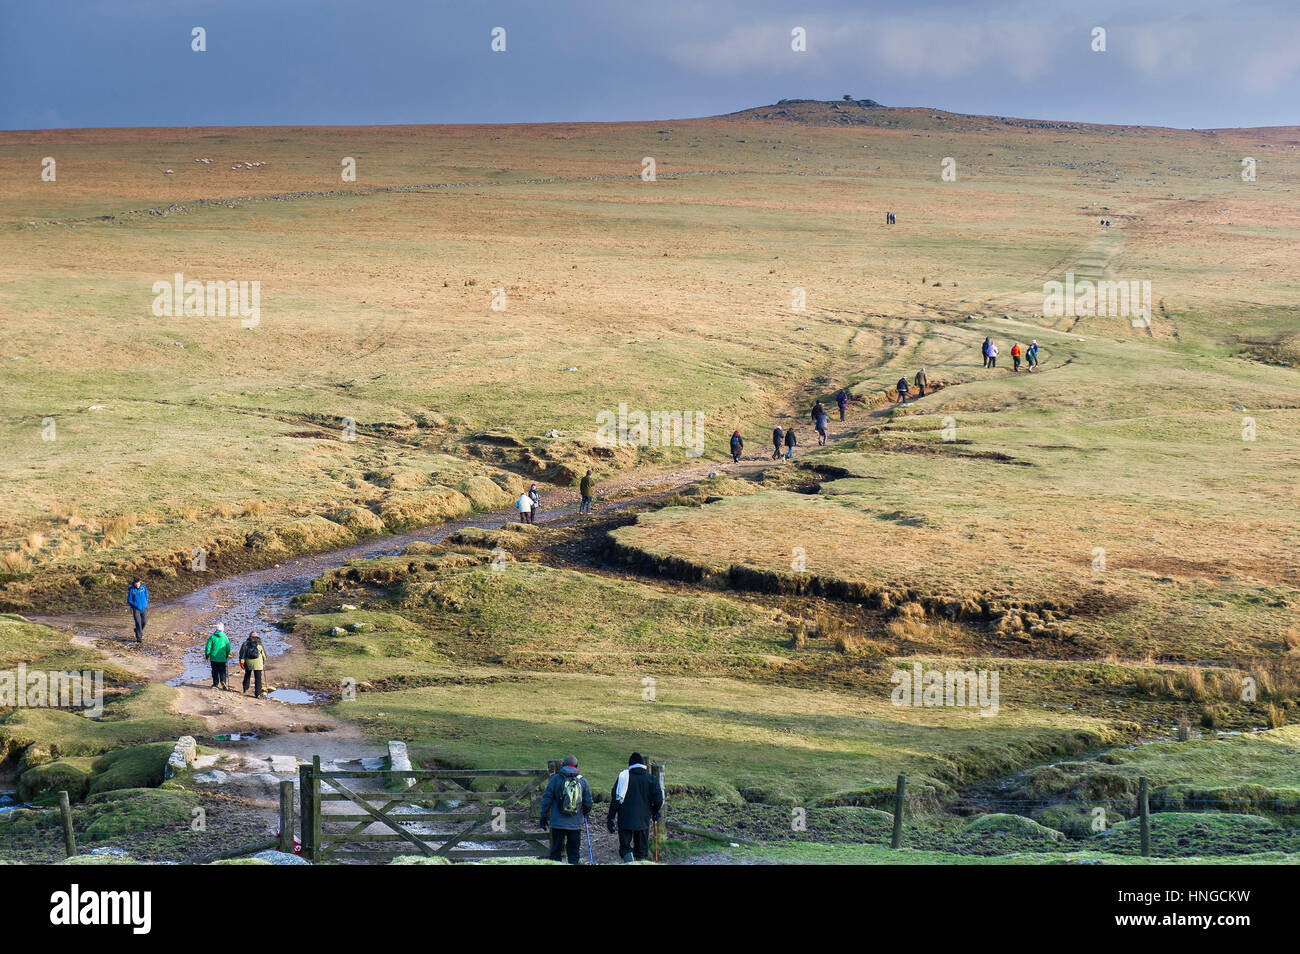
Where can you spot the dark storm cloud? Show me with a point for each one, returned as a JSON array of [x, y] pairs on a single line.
[[99, 63]]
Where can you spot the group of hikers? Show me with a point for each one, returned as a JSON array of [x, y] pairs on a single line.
[[252, 654], [634, 804], [530, 501], [903, 390], [252, 659], [785, 440], [1030, 355]]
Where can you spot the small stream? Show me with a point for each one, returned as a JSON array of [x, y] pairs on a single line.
[[258, 598]]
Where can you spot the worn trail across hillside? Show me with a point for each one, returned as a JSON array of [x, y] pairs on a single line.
[[276, 736]]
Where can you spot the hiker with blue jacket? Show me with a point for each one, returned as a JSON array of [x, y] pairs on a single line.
[[137, 597], [566, 803], [633, 804]]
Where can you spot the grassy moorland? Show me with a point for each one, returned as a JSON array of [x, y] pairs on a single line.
[[1113, 535], [376, 306], [1130, 498]]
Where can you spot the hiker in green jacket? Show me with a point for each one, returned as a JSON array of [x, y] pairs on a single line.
[[586, 487], [217, 651], [252, 659]]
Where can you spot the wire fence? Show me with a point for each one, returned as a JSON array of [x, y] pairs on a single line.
[[912, 814]]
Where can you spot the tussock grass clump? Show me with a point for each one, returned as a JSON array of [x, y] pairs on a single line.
[[116, 529], [398, 478], [406, 510], [360, 520], [1013, 824], [485, 493], [69, 547], [62, 513], [1213, 716], [314, 533], [14, 561], [827, 627]]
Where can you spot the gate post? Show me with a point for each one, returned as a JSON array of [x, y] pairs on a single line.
[[286, 816], [309, 799]]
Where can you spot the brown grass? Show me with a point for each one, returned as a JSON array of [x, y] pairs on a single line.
[[11, 561], [116, 529]]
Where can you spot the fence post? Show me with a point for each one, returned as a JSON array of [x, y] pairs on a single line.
[[316, 808], [657, 773], [1144, 808], [305, 808], [69, 839], [286, 816], [899, 802]]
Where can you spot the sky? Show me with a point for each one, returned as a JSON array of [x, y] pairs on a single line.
[[1185, 63]]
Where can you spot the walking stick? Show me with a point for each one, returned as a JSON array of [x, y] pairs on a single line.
[[591, 858], [656, 840]]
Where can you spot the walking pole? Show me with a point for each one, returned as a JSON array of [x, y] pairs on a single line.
[[656, 840], [591, 858]]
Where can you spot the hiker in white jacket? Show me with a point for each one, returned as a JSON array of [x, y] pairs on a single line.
[[525, 507]]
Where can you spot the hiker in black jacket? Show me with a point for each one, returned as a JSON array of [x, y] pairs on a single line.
[[778, 436], [633, 805], [790, 442]]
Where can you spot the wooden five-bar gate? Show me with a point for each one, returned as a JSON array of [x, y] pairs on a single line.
[[429, 812]]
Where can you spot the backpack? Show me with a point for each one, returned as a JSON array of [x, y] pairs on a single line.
[[250, 651], [570, 801]]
